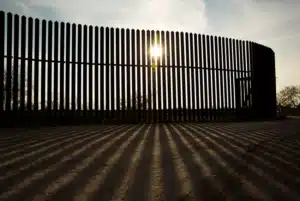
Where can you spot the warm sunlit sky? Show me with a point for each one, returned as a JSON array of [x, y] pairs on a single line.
[[274, 23]]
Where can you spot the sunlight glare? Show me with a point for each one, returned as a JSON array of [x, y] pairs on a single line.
[[156, 51]]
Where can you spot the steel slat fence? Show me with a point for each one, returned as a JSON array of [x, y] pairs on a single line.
[[56, 70]]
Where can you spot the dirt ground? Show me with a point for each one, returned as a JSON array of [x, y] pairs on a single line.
[[173, 162]]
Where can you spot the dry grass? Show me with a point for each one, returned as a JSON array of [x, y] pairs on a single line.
[[211, 161]]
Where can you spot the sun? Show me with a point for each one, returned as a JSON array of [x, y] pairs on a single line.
[[155, 51]]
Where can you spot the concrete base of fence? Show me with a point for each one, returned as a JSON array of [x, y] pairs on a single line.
[[290, 111], [42, 118]]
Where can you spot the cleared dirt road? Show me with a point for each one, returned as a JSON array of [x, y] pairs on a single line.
[[174, 162]]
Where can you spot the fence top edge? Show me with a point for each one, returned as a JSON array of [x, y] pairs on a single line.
[[141, 30]]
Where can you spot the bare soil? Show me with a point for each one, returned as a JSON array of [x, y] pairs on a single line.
[[172, 162]]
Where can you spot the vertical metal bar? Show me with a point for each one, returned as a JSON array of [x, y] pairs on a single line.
[[73, 76], [209, 93], [79, 69], [149, 76], [43, 66], [138, 61], [209, 66], [237, 75], [227, 55], [184, 67], [153, 81], [128, 72], [23, 52], [90, 70], [249, 58], [231, 66], [68, 86], [158, 70], [8, 63], [224, 77], [133, 88], [217, 79], [23, 63], [16, 63], [118, 73], [205, 85], [201, 54], [212, 78], [164, 68], [197, 80], [192, 81], [178, 69], [49, 75], [253, 63], [188, 77], [232, 72], [84, 68], [237, 97], [123, 73], [174, 106], [169, 86], [102, 73], [145, 109], [29, 72], [55, 67], [243, 75], [255, 94], [112, 73], [2, 39], [107, 65], [243, 72], [220, 67], [227, 73], [62, 68], [96, 72], [246, 74]]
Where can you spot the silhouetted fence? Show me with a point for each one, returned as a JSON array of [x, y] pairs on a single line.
[[63, 71]]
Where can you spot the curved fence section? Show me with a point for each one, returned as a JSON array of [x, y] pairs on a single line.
[[68, 72]]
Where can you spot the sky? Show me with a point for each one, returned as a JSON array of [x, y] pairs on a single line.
[[274, 23]]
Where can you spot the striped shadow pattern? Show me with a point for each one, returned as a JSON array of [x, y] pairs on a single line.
[[153, 162]]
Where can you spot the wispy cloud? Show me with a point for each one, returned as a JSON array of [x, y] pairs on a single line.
[[179, 15], [274, 23]]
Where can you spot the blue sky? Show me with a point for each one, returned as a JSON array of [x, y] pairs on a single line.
[[274, 23]]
